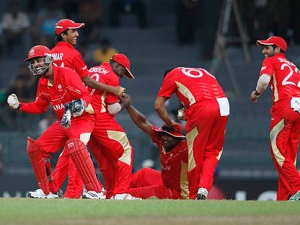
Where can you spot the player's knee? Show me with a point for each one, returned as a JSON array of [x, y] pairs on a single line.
[[74, 145], [32, 145]]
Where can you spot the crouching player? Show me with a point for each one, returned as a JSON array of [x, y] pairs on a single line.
[[171, 182]]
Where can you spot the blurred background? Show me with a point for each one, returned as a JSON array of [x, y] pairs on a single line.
[[217, 35]]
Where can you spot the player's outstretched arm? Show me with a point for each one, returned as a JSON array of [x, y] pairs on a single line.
[[137, 117]]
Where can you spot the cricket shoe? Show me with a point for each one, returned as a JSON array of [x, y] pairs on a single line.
[[39, 193], [295, 197], [125, 196], [202, 194], [93, 195]]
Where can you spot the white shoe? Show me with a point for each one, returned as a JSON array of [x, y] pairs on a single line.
[[51, 195], [93, 195], [202, 194], [125, 196], [39, 193]]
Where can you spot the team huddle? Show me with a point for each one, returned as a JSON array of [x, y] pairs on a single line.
[[85, 102]]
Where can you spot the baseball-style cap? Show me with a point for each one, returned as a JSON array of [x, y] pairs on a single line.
[[66, 24], [175, 131], [38, 51], [274, 40], [124, 61]]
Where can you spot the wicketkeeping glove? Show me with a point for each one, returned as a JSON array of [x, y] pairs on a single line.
[[13, 101], [77, 107], [66, 119]]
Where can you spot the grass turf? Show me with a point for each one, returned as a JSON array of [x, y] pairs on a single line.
[[66, 211]]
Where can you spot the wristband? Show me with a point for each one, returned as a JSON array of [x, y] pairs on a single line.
[[19, 106]]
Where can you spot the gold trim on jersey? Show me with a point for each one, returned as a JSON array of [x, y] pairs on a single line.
[[275, 88], [273, 136], [186, 92], [184, 187], [90, 109], [190, 137], [121, 137]]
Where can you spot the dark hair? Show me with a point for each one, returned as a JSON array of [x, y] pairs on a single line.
[[281, 50], [58, 37], [168, 71]]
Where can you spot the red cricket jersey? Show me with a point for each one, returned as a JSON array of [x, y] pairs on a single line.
[[65, 55], [191, 85], [173, 164], [285, 77], [67, 87], [103, 74]]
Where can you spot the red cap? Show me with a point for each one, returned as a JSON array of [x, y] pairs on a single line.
[[124, 61], [38, 51], [66, 24], [175, 131], [274, 40]]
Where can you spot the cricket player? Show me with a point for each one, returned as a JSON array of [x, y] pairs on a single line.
[[171, 182], [65, 55], [207, 111], [284, 79], [63, 88], [109, 142]]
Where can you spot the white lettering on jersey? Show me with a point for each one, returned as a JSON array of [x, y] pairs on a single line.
[[263, 68], [58, 107], [57, 56], [98, 70], [286, 61], [194, 72]]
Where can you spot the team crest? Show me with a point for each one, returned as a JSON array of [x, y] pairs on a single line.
[[31, 52]]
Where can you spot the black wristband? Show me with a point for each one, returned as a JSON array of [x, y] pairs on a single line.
[[19, 106]]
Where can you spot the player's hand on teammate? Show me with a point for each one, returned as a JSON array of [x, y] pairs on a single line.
[[13, 101], [119, 90], [125, 100], [173, 124], [180, 113]]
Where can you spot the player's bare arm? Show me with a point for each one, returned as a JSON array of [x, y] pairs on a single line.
[[88, 81], [162, 111], [262, 85], [137, 117]]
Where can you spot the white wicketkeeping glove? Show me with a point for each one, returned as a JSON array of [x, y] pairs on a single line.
[[13, 101]]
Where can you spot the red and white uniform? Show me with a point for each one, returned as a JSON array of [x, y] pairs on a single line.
[[109, 143], [206, 117], [171, 182], [285, 122], [65, 55], [67, 87]]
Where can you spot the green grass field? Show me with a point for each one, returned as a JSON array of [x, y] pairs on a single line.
[[166, 212]]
